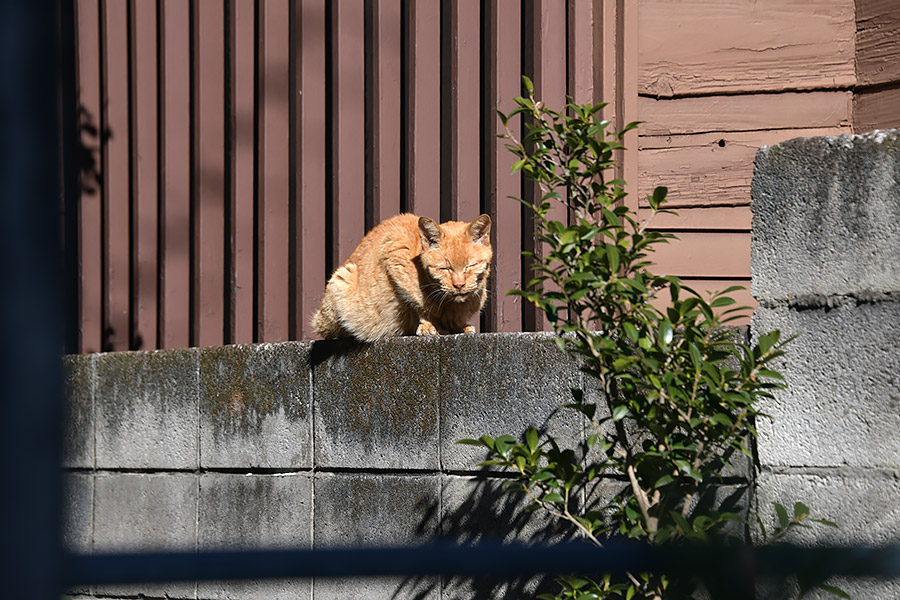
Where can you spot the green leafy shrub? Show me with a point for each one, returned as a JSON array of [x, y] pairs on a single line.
[[678, 393]]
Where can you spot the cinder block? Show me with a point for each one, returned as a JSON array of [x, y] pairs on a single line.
[[826, 217], [375, 510], [78, 497], [152, 512], [78, 443], [255, 512], [842, 406], [863, 502], [376, 404], [503, 383], [77, 520], [146, 409], [475, 509], [255, 409]]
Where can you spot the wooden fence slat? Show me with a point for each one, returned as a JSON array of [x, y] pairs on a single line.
[[606, 67], [464, 100], [176, 175], [876, 110], [550, 53], [705, 286], [117, 177], [737, 218], [146, 173], [386, 98], [789, 110], [311, 157], [709, 169], [687, 48], [627, 72], [506, 24], [243, 250], [209, 174], [424, 131], [90, 242], [348, 162], [584, 53], [877, 42], [274, 139], [704, 254]]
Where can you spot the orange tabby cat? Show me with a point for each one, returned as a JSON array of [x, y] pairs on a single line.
[[409, 275]]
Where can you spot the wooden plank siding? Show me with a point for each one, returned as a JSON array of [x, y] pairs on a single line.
[[234, 153], [876, 101], [717, 81]]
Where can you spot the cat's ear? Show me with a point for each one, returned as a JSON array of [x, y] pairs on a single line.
[[430, 232], [480, 230]]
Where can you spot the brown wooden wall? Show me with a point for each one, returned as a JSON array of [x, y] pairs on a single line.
[[717, 81], [234, 152]]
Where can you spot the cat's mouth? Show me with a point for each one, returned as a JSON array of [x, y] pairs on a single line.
[[460, 295]]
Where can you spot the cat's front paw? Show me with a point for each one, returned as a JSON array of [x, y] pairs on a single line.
[[469, 329], [426, 328]]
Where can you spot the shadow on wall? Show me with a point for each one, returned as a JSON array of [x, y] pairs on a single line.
[[90, 139], [482, 508]]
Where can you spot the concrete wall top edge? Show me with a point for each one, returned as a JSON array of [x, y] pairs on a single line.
[[826, 217]]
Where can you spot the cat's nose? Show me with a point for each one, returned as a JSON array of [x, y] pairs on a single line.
[[459, 284]]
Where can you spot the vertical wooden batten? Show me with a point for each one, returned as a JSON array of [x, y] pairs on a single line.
[[273, 230], [347, 136], [310, 141], [145, 168], [504, 46], [92, 137], [242, 185], [116, 171], [175, 175], [209, 324], [423, 129]]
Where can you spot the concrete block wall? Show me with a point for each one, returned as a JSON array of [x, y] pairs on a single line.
[[825, 264], [307, 444]]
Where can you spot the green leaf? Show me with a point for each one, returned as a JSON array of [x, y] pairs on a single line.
[[826, 522], [834, 590], [696, 358], [531, 438], [619, 412], [801, 511], [529, 87], [665, 333], [630, 331], [553, 497], [766, 342], [723, 419], [783, 519], [682, 523], [657, 197]]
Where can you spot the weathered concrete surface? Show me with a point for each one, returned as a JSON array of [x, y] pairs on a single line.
[[502, 384], [146, 512], [78, 443], [370, 510], [376, 405], [145, 407], [255, 406], [826, 217], [842, 406], [862, 502], [259, 512], [826, 267]]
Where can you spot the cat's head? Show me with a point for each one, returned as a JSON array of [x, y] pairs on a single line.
[[457, 255]]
